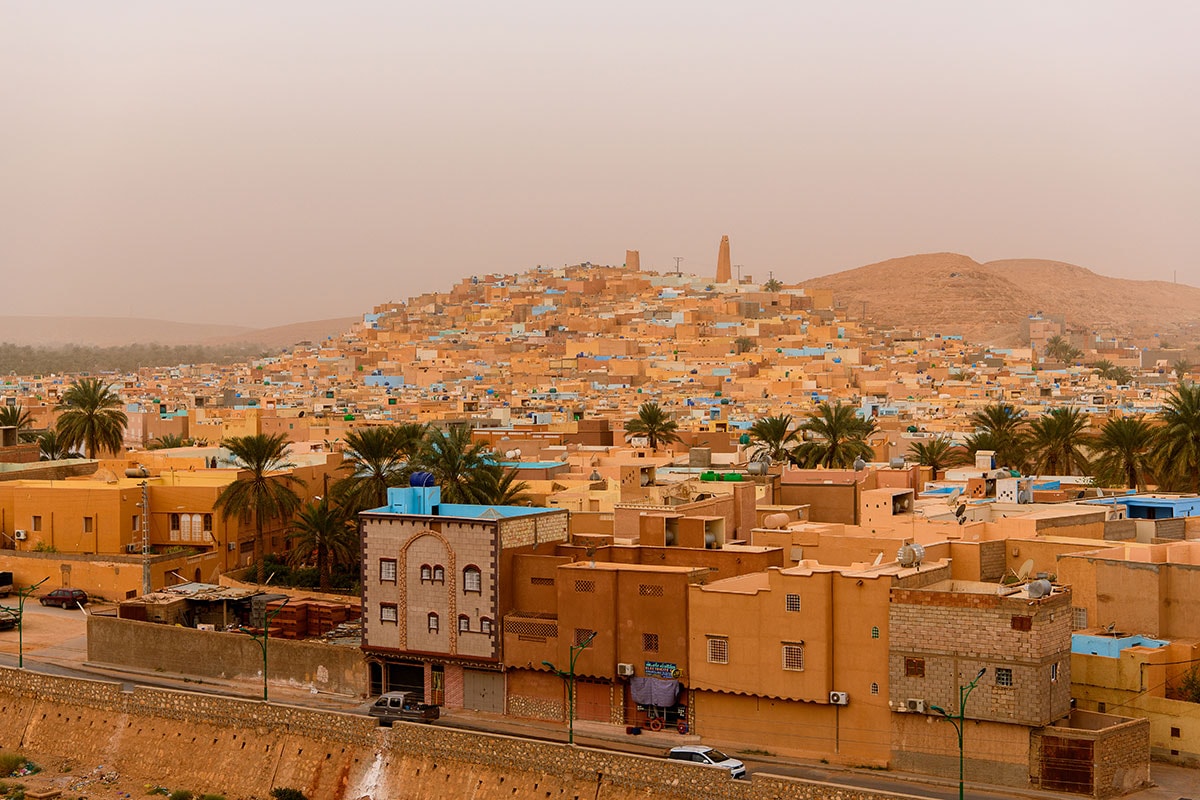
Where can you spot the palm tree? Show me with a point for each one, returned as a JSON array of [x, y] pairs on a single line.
[[835, 436], [1103, 367], [375, 462], [458, 464], [268, 491], [327, 530], [937, 453], [1177, 446], [1123, 450], [773, 437], [500, 487], [653, 423], [169, 441], [1055, 346], [1004, 425], [1180, 368], [92, 418], [773, 285], [1056, 440], [52, 446], [17, 417]]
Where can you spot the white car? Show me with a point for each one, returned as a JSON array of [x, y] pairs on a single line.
[[709, 757]]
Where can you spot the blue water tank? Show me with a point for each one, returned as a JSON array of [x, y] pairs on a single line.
[[421, 479]]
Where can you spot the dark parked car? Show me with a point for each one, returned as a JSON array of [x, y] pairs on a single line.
[[8, 620], [64, 598], [406, 706]]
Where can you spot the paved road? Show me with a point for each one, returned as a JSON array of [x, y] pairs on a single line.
[[56, 643]]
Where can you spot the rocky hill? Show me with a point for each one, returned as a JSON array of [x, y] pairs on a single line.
[[954, 294]]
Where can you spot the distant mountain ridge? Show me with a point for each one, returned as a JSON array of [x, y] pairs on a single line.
[[115, 331], [951, 293]]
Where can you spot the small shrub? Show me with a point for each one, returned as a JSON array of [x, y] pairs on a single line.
[[156, 790], [280, 793], [180, 794], [10, 762], [212, 797]]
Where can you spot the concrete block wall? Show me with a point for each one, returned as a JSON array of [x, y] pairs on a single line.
[[231, 656]]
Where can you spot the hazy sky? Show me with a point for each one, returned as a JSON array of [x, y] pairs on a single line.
[[269, 162]]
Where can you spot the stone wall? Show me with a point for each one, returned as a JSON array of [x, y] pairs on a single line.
[[230, 656], [243, 748]]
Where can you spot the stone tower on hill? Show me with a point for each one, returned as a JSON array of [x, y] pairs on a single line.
[[633, 259], [724, 273]]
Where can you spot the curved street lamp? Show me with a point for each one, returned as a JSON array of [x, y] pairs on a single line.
[[569, 677], [22, 595], [957, 721], [261, 641]]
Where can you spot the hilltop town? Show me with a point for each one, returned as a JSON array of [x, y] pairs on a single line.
[[717, 508]]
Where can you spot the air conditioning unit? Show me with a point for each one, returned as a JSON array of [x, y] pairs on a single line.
[[232, 546], [839, 698], [20, 536], [625, 670], [915, 705], [132, 548]]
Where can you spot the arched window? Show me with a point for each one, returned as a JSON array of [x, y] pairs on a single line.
[[875, 632], [426, 573], [433, 622], [439, 573], [464, 623], [485, 625], [472, 580], [874, 688]]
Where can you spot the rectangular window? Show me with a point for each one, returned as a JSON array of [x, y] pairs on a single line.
[[87, 524], [718, 650], [540, 581], [650, 589], [434, 625], [387, 612], [583, 635], [174, 520], [1176, 733], [36, 525], [208, 523], [1078, 618], [464, 624], [387, 570], [650, 642], [586, 587], [1022, 623], [793, 657], [1004, 676], [793, 602], [485, 625], [1054, 673], [914, 668], [133, 523]]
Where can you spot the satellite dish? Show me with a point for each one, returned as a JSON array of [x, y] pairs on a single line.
[[952, 498], [1023, 572], [878, 559], [959, 511]]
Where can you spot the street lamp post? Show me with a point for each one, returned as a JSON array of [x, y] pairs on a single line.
[[569, 677], [22, 594], [266, 635], [957, 721]]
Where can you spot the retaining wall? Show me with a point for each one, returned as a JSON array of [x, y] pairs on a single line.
[[230, 656], [242, 749]]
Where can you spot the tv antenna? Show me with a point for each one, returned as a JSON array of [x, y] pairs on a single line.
[[678, 271]]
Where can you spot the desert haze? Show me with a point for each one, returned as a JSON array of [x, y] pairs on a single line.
[[115, 331]]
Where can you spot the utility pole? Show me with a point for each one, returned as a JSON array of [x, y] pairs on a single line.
[[678, 271], [738, 267], [144, 524]]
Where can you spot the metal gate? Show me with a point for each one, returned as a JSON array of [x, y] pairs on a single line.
[[593, 701], [1067, 764], [483, 691]]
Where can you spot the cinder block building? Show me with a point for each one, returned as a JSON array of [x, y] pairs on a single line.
[[435, 587]]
